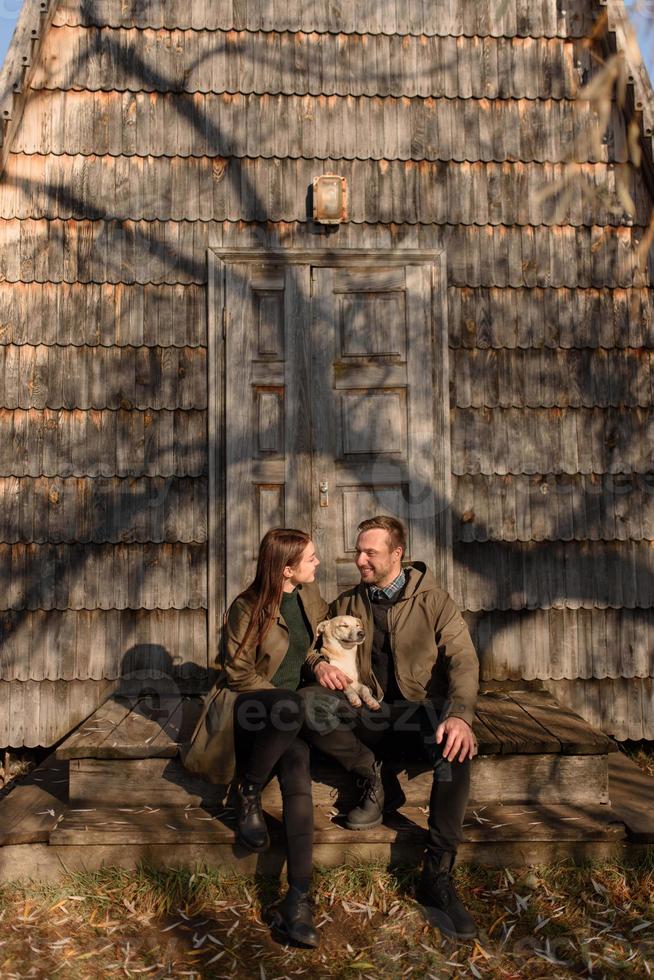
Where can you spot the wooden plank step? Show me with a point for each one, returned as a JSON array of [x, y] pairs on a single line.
[[575, 735], [184, 825], [506, 722], [35, 804], [551, 778], [633, 793], [134, 729]]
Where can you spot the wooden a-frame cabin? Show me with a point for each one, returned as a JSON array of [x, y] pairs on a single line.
[[188, 358]]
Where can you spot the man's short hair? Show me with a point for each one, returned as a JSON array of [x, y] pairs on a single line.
[[395, 529]]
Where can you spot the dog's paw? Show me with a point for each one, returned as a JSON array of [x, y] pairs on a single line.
[[354, 699], [372, 704]]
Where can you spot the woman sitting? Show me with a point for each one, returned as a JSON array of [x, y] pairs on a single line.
[[251, 720]]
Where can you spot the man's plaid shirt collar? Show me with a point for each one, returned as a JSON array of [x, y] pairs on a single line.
[[375, 593]]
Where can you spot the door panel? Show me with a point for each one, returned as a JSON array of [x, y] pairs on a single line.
[[267, 444], [372, 392]]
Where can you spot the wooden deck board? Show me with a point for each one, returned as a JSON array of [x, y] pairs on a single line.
[[520, 722], [575, 735], [552, 778], [176, 825], [517, 730], [632, 793], [32, 808]]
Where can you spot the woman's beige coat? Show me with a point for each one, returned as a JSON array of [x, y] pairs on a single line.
[[210, 752]]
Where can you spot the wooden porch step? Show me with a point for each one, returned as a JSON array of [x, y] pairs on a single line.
[[531, 750], [42, 834], [525, 778], [507, 722], [178, 825]]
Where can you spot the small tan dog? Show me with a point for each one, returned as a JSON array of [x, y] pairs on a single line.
[[340, 638]]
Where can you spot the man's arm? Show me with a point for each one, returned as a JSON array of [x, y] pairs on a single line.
[[453, 638]]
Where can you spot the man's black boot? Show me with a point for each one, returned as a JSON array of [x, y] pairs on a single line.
[[436, 890], [251, 827], [293, 918], [369, 811]]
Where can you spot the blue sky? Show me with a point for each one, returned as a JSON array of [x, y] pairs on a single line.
[[642, 13]]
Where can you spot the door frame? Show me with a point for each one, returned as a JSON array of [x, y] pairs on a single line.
[[218, 318]]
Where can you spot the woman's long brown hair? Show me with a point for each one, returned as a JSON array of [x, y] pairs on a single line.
[[281, 546]]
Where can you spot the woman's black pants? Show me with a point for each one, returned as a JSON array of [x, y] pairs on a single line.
[[266, 727]]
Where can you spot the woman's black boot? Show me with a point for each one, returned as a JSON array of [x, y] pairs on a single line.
[[293, 919], [251, 827]]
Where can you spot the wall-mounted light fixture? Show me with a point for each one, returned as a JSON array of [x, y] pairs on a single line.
[[330, 199]]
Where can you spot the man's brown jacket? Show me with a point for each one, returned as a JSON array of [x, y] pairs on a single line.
[[432, 649]]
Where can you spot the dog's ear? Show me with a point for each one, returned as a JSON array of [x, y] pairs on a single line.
[[321, 627]]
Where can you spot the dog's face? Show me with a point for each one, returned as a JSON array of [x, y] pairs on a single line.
[[344, 629]]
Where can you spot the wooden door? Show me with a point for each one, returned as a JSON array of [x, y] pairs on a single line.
[[372, 371], [329, 370], [267, 422]]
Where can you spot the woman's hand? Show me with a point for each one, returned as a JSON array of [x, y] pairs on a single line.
[[331, 676]]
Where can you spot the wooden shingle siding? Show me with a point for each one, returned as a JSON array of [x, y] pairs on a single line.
[[551, 440], [216, 189], [102, 443], [102, 377], [551, 318], [545, 378], [312, 64], [541, 575], [564, 643], [623, 707], [38, 712], [98, 644], [175, 252], [318, 127], [496, 18], [555, 507], [103, 509], [89, 314], [102, 576]]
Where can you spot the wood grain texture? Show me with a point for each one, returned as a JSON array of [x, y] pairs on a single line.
[[563, 644], [43, 712], [100, 377], [104, 443], [622, 707], [402, 191], [94, 644], [175, 252], [513, 18], [539, 575], [107, 315], [553, 507], [552, 779], [135, 576], [209, 124], [311, 63], [554, 441]]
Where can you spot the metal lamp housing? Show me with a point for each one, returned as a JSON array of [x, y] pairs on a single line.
[[330, 199]]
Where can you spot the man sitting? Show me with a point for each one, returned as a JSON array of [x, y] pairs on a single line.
[[419, 657]]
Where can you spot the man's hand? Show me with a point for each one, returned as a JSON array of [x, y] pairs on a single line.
[[331, 676], [459, 739]]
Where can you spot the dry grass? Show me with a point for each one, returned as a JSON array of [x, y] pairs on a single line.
[[559, 921], [642, 753]]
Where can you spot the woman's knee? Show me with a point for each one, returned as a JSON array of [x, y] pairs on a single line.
[[287, 713]]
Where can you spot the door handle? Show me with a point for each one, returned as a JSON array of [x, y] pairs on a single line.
[[324, 493]]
